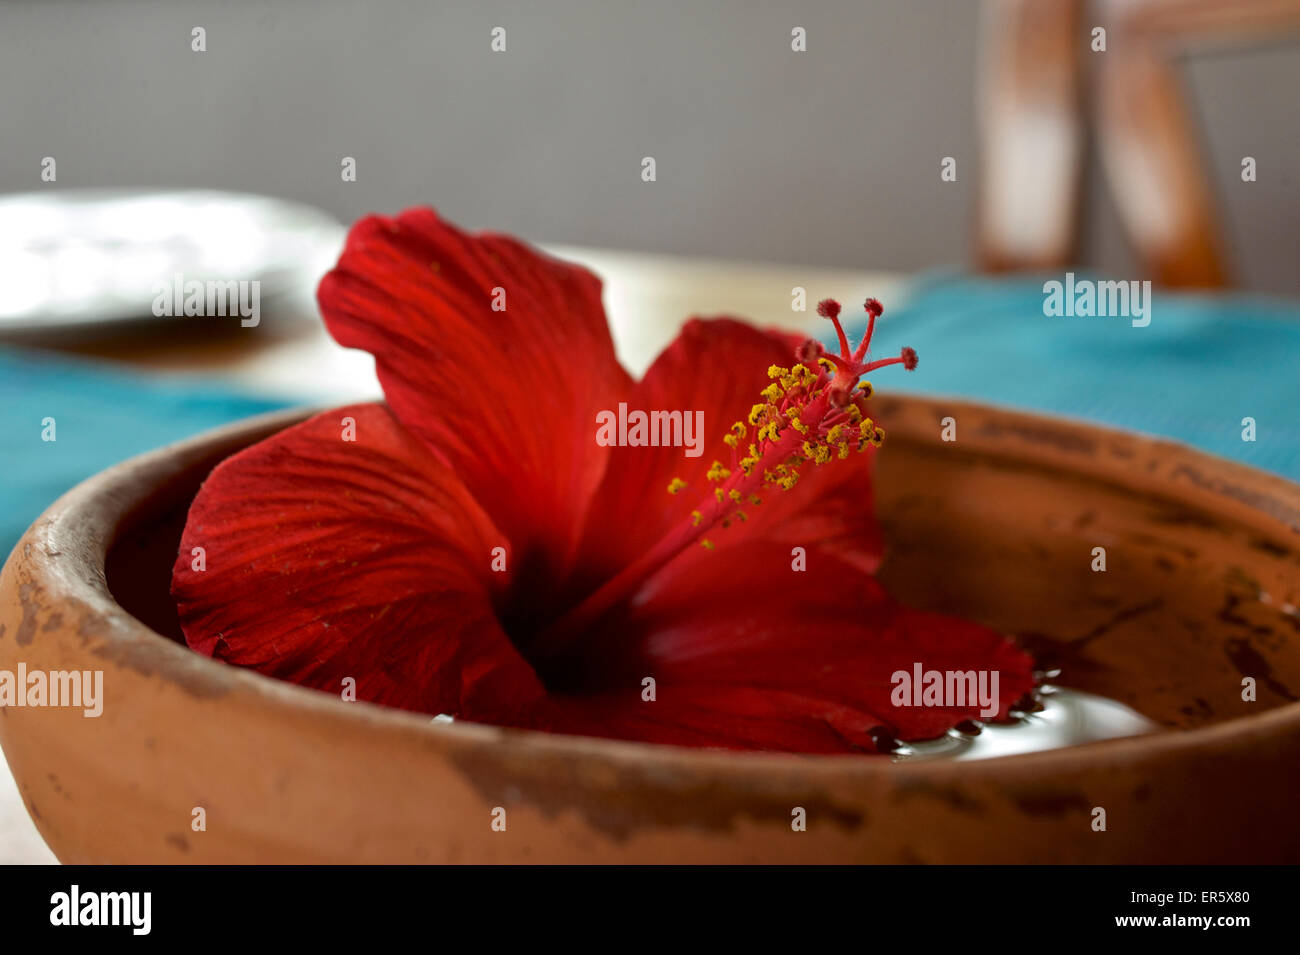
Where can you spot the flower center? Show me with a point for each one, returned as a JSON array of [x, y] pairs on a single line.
[[811, 413]]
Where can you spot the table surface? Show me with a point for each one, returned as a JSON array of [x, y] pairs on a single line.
[[647, 297]]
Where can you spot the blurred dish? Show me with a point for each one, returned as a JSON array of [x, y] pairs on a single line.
[[90, 260]]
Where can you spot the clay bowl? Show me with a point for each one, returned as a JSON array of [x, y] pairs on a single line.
[[1201, 582]]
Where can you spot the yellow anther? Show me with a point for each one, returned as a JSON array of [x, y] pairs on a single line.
[[742, 516], [835, 435], [739, 429], [717, 472], [706, 544], [676, 485], [731, 440], [776, 371], [867, 390], [755, 500], [757, 414], [717, 492], [797, 423], [855, 416], [827, 364], [772, 392], [695, 518], [735, 495]]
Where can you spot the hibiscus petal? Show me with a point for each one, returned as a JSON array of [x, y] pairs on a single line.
[[328, 558], [716, 716], [718, 367], [748, 653], [508, 399]]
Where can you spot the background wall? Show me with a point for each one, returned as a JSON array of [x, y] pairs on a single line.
[[828, 157]]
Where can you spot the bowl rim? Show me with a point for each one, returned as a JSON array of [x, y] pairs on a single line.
[[78, 525]]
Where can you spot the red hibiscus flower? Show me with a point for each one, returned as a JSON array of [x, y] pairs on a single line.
[[469, 547]]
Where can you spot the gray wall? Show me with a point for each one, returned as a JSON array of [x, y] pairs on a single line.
[[829, 157]]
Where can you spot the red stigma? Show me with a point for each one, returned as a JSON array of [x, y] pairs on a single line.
[[829, 308], [909, 358], [809, 352], [873, 307]]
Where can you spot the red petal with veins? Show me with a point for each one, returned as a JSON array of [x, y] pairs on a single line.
[[507, 398], [748, 653], [328, 559], [829, 633]]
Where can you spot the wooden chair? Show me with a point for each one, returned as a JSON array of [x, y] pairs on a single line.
[[1037, 72]]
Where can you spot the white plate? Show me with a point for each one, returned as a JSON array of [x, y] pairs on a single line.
[[85, 259]]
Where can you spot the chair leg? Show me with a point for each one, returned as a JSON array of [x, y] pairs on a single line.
[[1151, 153], [1032, 134]]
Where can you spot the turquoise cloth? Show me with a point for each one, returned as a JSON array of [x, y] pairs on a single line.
[[101, 417], [1202, 365]]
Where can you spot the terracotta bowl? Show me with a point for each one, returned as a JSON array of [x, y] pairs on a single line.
[[1202, 579]]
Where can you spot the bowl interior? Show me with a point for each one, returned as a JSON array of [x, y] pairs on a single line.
[[1201, 578], [1199, 590]]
